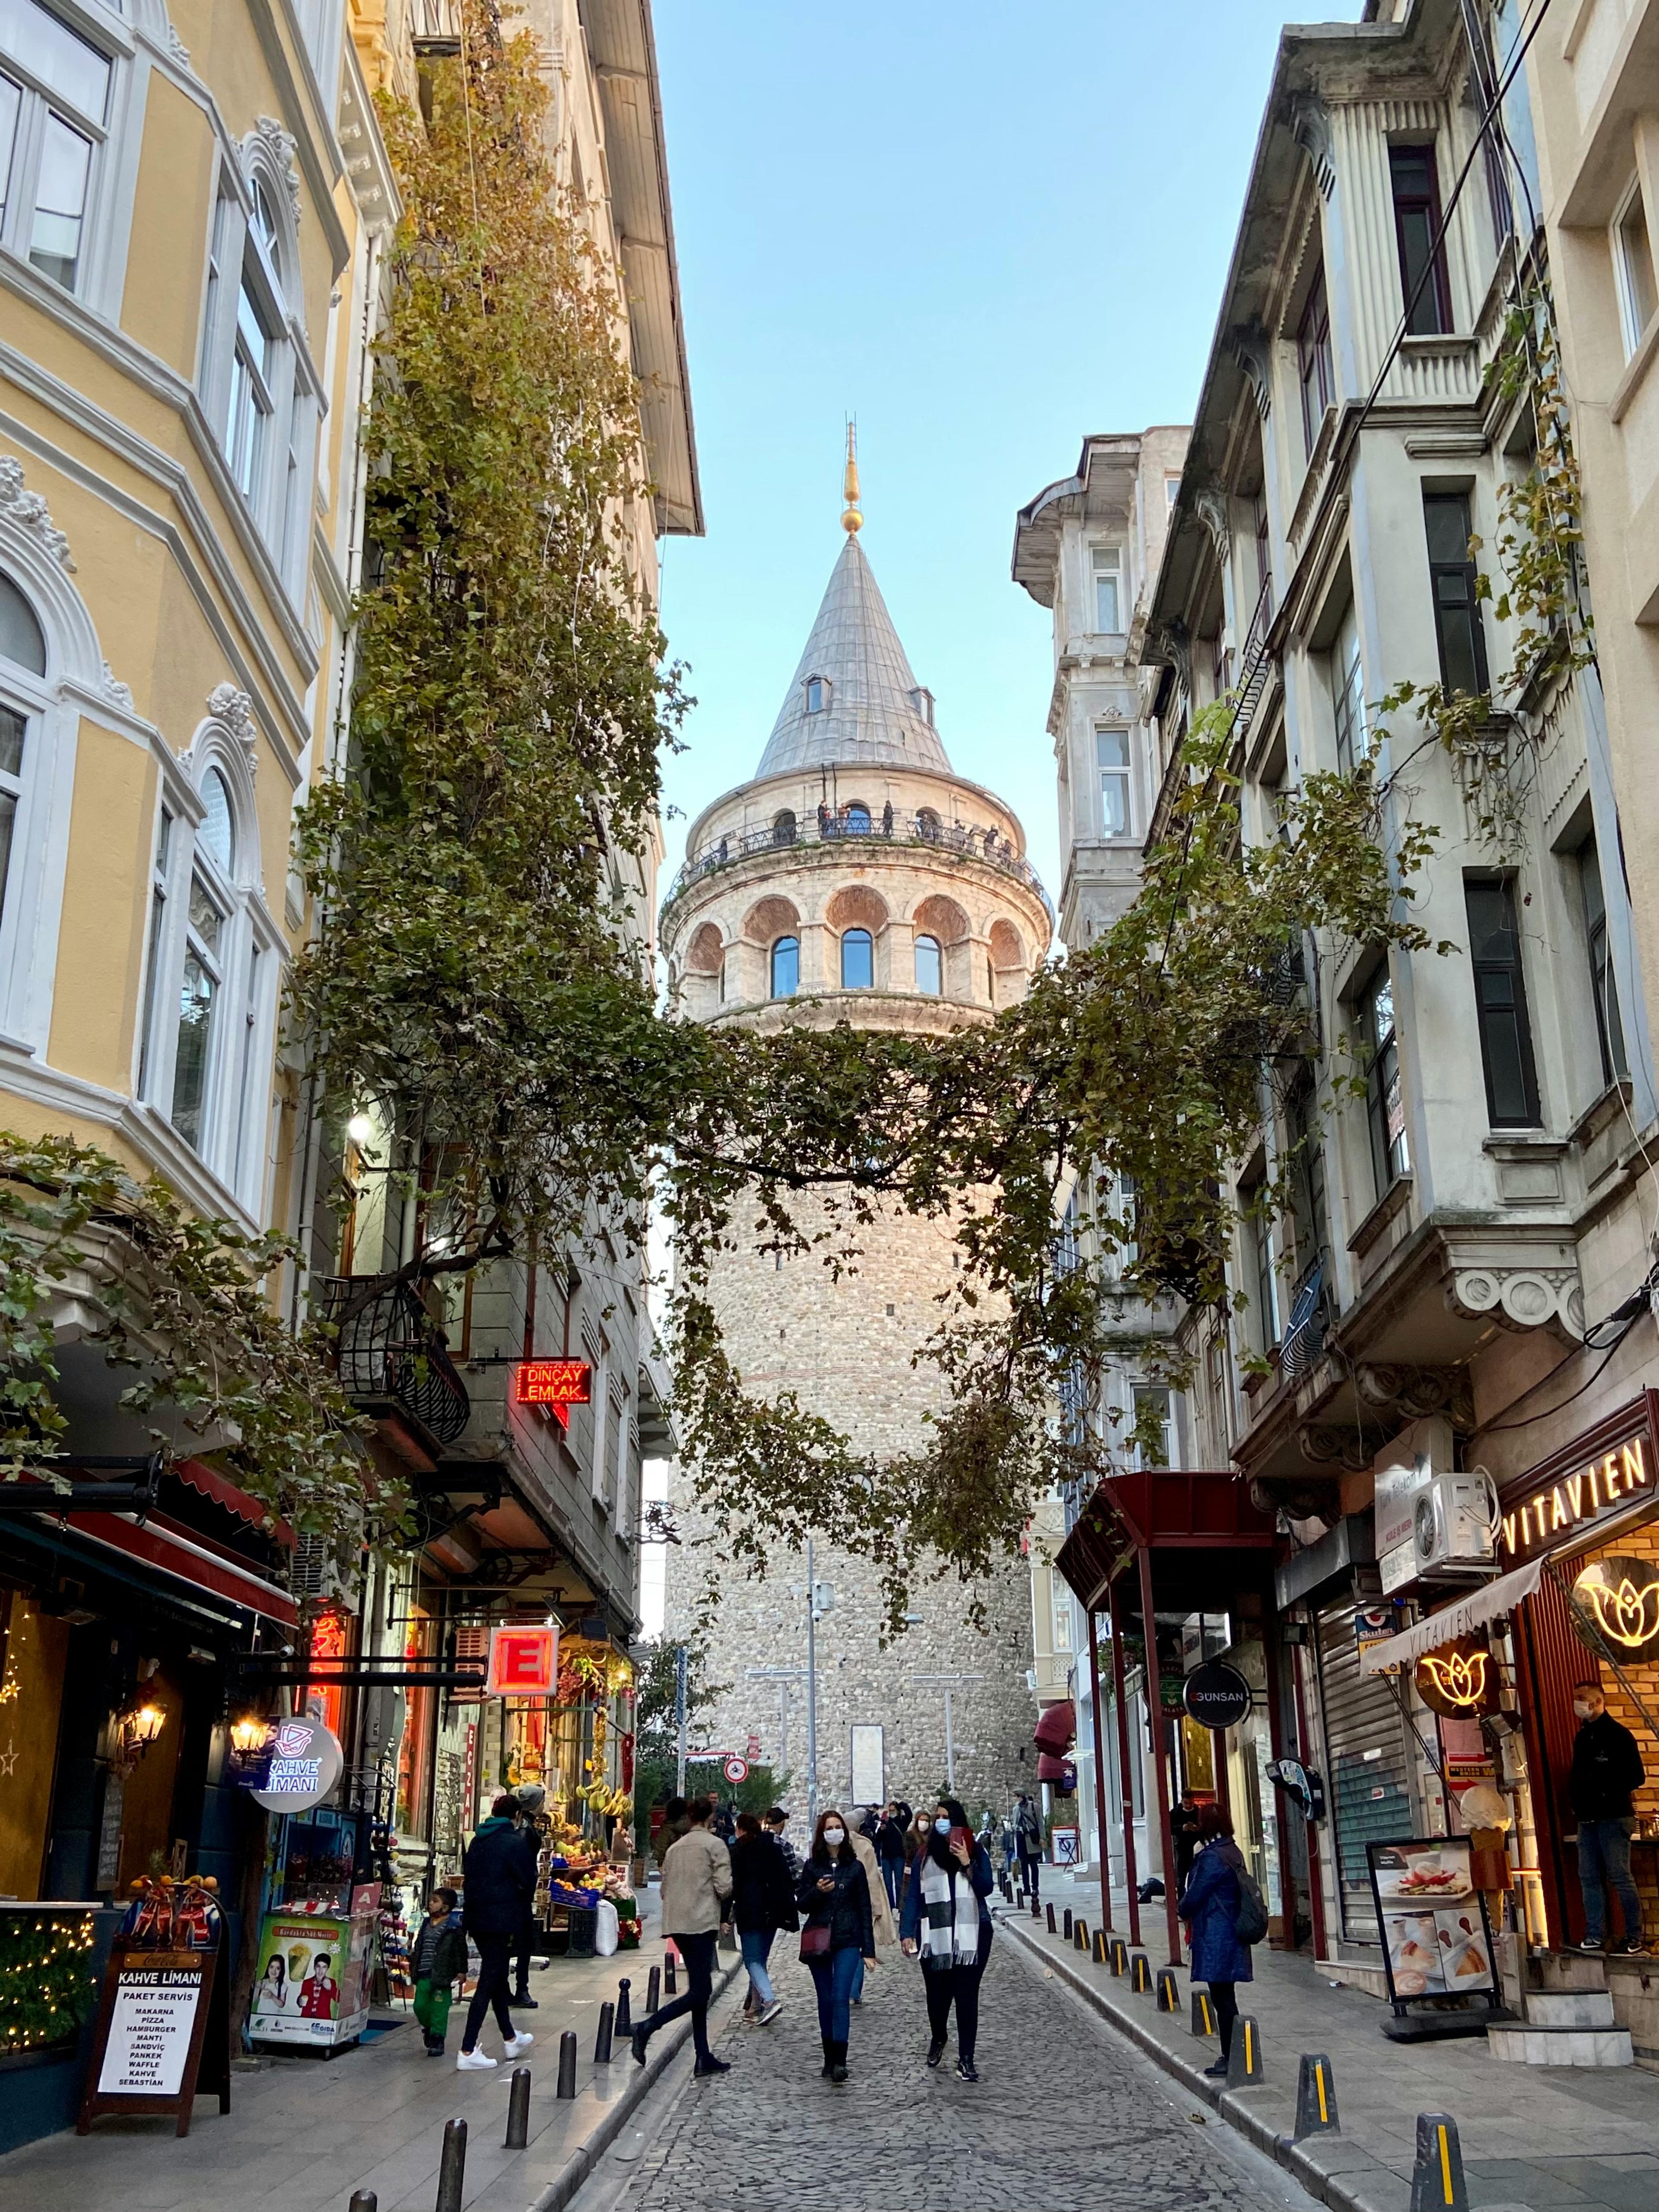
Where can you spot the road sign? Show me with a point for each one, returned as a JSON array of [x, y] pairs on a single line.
[[736, 1769]]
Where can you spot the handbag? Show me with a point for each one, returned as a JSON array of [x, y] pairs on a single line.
[[815, 1942]]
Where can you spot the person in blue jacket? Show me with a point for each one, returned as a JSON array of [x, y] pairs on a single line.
[[945, 1919], [1209, 1905]]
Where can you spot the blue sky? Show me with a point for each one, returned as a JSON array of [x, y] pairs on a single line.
[[986, 231]]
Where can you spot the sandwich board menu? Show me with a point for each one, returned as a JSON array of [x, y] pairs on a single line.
[[1437, 1940], [162, 2033]]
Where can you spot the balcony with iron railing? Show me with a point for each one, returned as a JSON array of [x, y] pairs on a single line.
[[389, 1350], [968, 840], [1253, 663]]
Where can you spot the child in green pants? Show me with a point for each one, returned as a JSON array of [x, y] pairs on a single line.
[[437, 1961]]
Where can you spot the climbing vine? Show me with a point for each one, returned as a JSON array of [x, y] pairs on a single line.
[[182, 1303]]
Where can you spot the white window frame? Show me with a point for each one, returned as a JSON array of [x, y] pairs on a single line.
[[825, 690], [1122, 774], [242, 263], [1347, 680], [1628, 283], [112, 169], [246, 961], [1106, 565]]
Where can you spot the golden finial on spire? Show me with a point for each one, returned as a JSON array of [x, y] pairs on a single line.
[[852, 520]]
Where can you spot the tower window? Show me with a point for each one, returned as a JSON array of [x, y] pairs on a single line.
[[858, 820], [858, 961], [930, 968], [922, 700], [783, 826], [785, 967], [819, 690]]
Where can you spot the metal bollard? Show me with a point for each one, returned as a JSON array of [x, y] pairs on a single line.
[[1067, 1930], [566, 2065], [602, 2040], [1169, 1991], [362, 2200], [1437, 2182], [518, 2110], [1036, 1910], [624, 2018], [1100, 1946], [1245, 2066], [1315, 2097], [1079, 1936], [1120, 1955], [1140, 1973], [654, 1991], [451, 2169], [670, 1981], [1203, 2019], [1051, 1917]]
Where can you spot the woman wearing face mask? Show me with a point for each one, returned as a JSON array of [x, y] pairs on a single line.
[[837, 1933], [945, 1919], [916, 1836]]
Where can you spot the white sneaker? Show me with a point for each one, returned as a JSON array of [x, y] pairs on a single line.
[[770, 2012], [474, 2061], [516, 2046]]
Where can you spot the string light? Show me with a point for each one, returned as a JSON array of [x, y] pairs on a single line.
[[46, 1991]]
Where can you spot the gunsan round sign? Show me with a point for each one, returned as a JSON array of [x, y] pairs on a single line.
[[1216, 1695]]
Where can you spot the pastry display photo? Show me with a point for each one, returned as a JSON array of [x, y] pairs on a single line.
[[1416, 1959]]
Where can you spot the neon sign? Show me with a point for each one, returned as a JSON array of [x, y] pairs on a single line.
[[1593, 1490], [1621, 1596], [524, 1661], [555, 1384], [1459, 1680]]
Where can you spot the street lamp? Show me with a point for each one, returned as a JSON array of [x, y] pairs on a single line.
[[948, 1682]]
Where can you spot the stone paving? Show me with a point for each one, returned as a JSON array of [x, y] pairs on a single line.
[[1064, 2112]]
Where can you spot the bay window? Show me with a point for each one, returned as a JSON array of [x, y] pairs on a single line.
[[55, 88]]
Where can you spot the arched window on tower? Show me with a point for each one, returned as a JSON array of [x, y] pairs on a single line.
[[783, 826], [858, 819], [928, 823], [858, 961], [930, 967], [785, 967]]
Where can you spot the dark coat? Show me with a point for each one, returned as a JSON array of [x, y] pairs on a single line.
[[499, 1875], [448, 1960], [669, 1834], [1606, 1766], [847, 1911], [890, 1841], [762, 1893], [978, 1871], [1209, 1905]]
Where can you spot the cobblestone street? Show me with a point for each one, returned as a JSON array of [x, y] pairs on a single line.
[[1063, 2112]]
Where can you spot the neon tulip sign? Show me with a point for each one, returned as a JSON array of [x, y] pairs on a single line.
[[1620, 1594]]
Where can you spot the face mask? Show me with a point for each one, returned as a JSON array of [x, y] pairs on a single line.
[[941, 1827], [834, 1836], [1582, 1711]]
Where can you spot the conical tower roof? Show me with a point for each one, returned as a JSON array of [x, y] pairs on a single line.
[[874, 712]]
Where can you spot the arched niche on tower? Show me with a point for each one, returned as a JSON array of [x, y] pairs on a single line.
[[940, 917], [768, 920], [1010, 967], [703, 978], [857, 906]]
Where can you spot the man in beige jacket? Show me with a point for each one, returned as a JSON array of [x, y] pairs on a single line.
[[881, 1913], [697, 1880]]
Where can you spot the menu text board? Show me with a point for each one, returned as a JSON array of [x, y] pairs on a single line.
[[159, 2012]]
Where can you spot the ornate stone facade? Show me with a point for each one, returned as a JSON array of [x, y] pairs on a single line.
[[855, 853]]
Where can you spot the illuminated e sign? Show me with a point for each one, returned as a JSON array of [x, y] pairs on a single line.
[[557, 1384], [1599, 1487], [524, 1661]]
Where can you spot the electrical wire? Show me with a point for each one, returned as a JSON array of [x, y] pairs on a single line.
[[1624, 1318]]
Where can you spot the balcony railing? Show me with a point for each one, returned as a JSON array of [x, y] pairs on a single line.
[[1304, 1332], [1253, 662], [388, 1346], [968, 839]]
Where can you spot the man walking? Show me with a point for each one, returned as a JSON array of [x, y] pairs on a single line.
[[776, 1825], [1028, 1842], [697, 1880], [1607, 1767], [890, 1850], [498, 1879]]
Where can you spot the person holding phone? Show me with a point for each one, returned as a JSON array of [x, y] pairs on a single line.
[[947, 1921], [838, 1934]]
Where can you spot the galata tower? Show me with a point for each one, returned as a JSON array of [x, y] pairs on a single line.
[[855, 878]]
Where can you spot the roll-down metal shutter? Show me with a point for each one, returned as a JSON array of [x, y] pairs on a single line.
[[1368, 1765]]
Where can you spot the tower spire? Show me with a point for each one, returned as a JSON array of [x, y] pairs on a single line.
[[852, 520]]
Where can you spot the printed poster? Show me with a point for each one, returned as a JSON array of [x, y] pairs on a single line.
[[311, 1985], [1435, 1941]]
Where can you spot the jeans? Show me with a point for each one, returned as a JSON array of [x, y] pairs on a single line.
[[1030, 1868], [757, 1948], [960, 1984], [1604, 1863], [432, 2004], [698, 1953], [494, 1954], [1223, 2003], [892, 1873], [833, 1977]]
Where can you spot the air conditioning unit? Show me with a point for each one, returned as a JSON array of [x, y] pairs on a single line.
[[1455, 1524]]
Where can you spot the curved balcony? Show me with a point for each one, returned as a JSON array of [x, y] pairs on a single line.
[[388, 1347], [966, 840]]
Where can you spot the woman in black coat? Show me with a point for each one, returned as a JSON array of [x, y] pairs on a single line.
[[835, 1895], [762, 1901]]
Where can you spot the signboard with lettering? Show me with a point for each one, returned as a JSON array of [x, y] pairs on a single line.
[[524, 1661], [304, 1766], [1599, 1480], [311, 1987], [163, 2031], [556, 1385]]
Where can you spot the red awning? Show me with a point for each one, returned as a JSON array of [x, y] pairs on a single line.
[[208, 1482], [1195, 1524], [1056, 1731], [171, 1552], [1050, 1768]]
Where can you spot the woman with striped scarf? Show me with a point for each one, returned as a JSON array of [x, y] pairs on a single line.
[[945, 1921]]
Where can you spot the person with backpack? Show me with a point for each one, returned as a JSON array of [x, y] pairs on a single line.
[[1225, 1915]]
